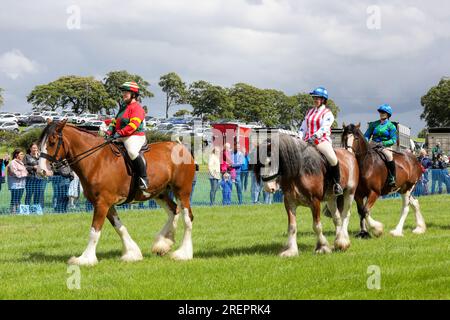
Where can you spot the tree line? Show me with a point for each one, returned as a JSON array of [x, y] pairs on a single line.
[[209, 101]]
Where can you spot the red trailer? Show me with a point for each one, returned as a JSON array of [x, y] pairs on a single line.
[[227, 132]]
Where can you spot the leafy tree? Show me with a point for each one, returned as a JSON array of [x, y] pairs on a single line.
[[174, 88], [181, 113], [115, 79], [81, 94], [422, 133], [436, 104], [1, 97], [210, 102]]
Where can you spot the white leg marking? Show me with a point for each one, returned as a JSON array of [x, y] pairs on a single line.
[[165, 239], [88, 258], [291, 249], [131, 251], [398, 231], [185, 252], [322, 243], [375, 226], [421, 227], [342, 241]]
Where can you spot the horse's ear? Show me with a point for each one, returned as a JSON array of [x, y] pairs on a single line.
[[358, 125], [343, 125], [61, 125], [49, 120]]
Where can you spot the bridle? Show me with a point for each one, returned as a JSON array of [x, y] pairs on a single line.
[[346, 146], [63, 162]]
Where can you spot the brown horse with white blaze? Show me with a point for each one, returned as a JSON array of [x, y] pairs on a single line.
[[300, 171], [106, 183], [372, 182]]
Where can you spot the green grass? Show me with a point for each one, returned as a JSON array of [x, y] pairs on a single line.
[[235, 257]]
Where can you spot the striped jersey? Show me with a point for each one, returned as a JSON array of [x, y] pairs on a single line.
[[129, 121], [317, 124]]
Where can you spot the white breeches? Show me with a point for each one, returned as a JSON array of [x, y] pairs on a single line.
[[327, 150], [388, 153], [133, 144]]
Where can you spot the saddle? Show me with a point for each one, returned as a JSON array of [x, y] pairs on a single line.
[[122, 151], [379, 151]]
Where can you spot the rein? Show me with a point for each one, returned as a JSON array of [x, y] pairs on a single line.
[[62, 162]]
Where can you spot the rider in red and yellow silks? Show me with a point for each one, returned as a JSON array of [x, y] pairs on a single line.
[[316, 128], [128, 127]]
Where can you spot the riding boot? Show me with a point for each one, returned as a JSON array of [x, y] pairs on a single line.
[[141, 169], [336, 175], [391, 173]]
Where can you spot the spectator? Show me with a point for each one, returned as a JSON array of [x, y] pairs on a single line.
[[227, 188], [35, 185], [436, 151], [227, 162], [17, 174], [214, 173], [422, 186], [238, 160], [61, 188], [74, 191], [3, 164], [244, 169], [437, 174]]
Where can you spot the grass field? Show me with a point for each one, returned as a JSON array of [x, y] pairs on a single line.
[[235, 257]]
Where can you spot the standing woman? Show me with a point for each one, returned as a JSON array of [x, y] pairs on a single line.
[[384, 133], [35, 185], [214, 173], [316, 128], [17, 174]]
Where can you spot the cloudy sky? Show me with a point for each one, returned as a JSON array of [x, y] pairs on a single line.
[[365, 52]]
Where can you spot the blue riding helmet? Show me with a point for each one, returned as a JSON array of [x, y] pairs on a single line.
[[385, 108], [319, 92]]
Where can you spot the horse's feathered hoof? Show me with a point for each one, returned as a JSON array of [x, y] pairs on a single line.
[[323, 250], [363, 235], [289, 253], [396, 233], [419, 230], [83, 261]]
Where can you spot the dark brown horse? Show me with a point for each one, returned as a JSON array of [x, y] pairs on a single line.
[[300, 171], [106, 183], [372, 182]]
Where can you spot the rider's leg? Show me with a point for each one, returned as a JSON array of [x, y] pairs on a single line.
[[133, 144], [390, 164], [326, 149]]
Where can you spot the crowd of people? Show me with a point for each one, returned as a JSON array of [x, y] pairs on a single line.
[[438, 166], [21, 173]]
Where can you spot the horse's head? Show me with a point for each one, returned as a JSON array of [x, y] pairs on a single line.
[[268, 167], [350, 136], [52, 151]]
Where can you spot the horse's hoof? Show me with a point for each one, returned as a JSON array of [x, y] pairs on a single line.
[[289, 253], [341, 244], [419, 230], [83, 261], [396, 233], [162, 246], [363, 235], [181, 255], [323, 250], [132, 256]]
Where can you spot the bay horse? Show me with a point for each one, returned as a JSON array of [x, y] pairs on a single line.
[[106, 183], [373, 175], [299, 169]]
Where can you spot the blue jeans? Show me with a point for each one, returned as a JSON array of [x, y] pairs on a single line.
[[35, 188], [436, 177], [16, 196], [244, 180], [238, 188], [212, 193], [255, 189]]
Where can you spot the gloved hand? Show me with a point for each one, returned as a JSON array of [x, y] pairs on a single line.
[[311, 141], [113, 137]]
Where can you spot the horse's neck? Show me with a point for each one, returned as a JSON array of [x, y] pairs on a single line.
[[81, 142], [363, 145]]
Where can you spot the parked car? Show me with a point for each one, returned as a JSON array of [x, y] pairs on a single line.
[[31, 120], [50, 114], [9, 126], [85, 117], [8, 117]]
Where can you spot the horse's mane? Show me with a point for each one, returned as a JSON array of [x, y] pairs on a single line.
[[297, 158], [51, 128]]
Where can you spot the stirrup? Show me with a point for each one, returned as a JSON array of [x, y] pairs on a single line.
[[143, 183], [337, 189], [391, 182]]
